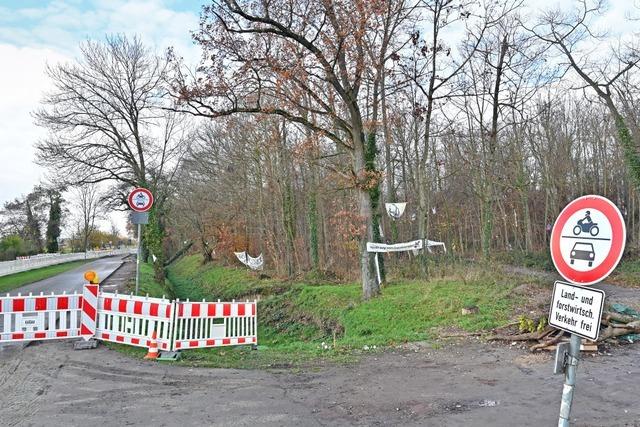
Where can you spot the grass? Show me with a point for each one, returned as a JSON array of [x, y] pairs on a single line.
[[148, 285], [627, 273], [301, 324], [13, 281], [536, 260]]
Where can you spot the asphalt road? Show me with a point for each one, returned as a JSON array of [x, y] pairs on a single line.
[[71, 280]]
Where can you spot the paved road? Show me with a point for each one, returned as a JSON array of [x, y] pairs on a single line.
[[72, 280]]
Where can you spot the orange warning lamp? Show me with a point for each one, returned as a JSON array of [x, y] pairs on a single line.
[[91, 277]]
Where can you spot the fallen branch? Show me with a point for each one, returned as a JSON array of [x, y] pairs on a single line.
[[618, 317], [613, 331], [548, 343], [524, 337]]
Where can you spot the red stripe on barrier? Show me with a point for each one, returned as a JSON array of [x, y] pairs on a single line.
[[137, 307], [62, 333], [105, 336], [211, 310], [85, 331], [93, 289], [253, 309], [180, 310], [240, 309], [193, 343], [135, 340], [41, 304], [18, 304], [40, 335], [62, 303], [153, 308], [79, 301], [0, 306], [178, 344], [211, 342], [168, 312], [253, 339], [17, 336], [226, 310], [240, 340], [89, 310], [107, 304], [195, 310], [226, 341], [122, 306], [119, 338]]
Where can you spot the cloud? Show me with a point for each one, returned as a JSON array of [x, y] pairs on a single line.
[[32, 37]]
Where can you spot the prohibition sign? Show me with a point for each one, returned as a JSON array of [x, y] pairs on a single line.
[[588, 240], [140, 199]]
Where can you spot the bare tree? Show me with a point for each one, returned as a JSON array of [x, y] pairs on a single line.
[[88, 203], [605, 75], [107, 123], [284, 58]]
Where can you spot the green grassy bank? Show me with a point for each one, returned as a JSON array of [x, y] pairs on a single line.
[[315, 323]]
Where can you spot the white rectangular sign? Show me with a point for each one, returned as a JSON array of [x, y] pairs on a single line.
[[398, 247], [576, 309]]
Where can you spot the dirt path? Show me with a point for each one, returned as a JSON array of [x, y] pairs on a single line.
[[614, 293], [465, 384]]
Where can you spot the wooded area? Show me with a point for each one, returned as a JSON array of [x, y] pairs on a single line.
[[304, 118]]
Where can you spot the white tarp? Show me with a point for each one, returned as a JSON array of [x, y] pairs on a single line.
[[395, 210], [397, 247], [252, 263]]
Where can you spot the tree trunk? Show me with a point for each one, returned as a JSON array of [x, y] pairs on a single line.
[[370, 286]]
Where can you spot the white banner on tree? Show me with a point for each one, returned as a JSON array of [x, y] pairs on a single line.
[[397, 247], [252, 263], [395, 210], [432, 243]]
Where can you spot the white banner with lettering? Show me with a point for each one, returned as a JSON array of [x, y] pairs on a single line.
[[252, 263], [397, 247]]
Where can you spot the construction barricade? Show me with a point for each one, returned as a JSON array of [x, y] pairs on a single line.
[[40, 317], [128, 319], [214, 324]]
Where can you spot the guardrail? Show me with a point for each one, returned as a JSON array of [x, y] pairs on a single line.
[[45, 260]]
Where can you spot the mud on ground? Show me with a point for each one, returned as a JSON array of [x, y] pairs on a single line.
[[463, 383]]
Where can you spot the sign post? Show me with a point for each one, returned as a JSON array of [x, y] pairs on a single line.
[[140, 201], [587, 242]]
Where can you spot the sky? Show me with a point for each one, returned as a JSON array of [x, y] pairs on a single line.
[[34, 33]]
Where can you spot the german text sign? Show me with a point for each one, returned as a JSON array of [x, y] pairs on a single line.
[[576, 309]]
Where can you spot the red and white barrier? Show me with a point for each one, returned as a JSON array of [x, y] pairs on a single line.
[[89, 311], [211, 324], [39, 317], [129, 319]]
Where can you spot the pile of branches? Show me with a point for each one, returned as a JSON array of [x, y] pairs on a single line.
[[613, 324]]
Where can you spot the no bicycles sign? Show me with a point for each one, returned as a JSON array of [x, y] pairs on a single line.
[[588, 239]]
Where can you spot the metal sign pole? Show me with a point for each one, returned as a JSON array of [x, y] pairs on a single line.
[[138, 259], [569, 380]]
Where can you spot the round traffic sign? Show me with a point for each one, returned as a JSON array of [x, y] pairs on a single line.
[[140, 199], [588, 239]]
